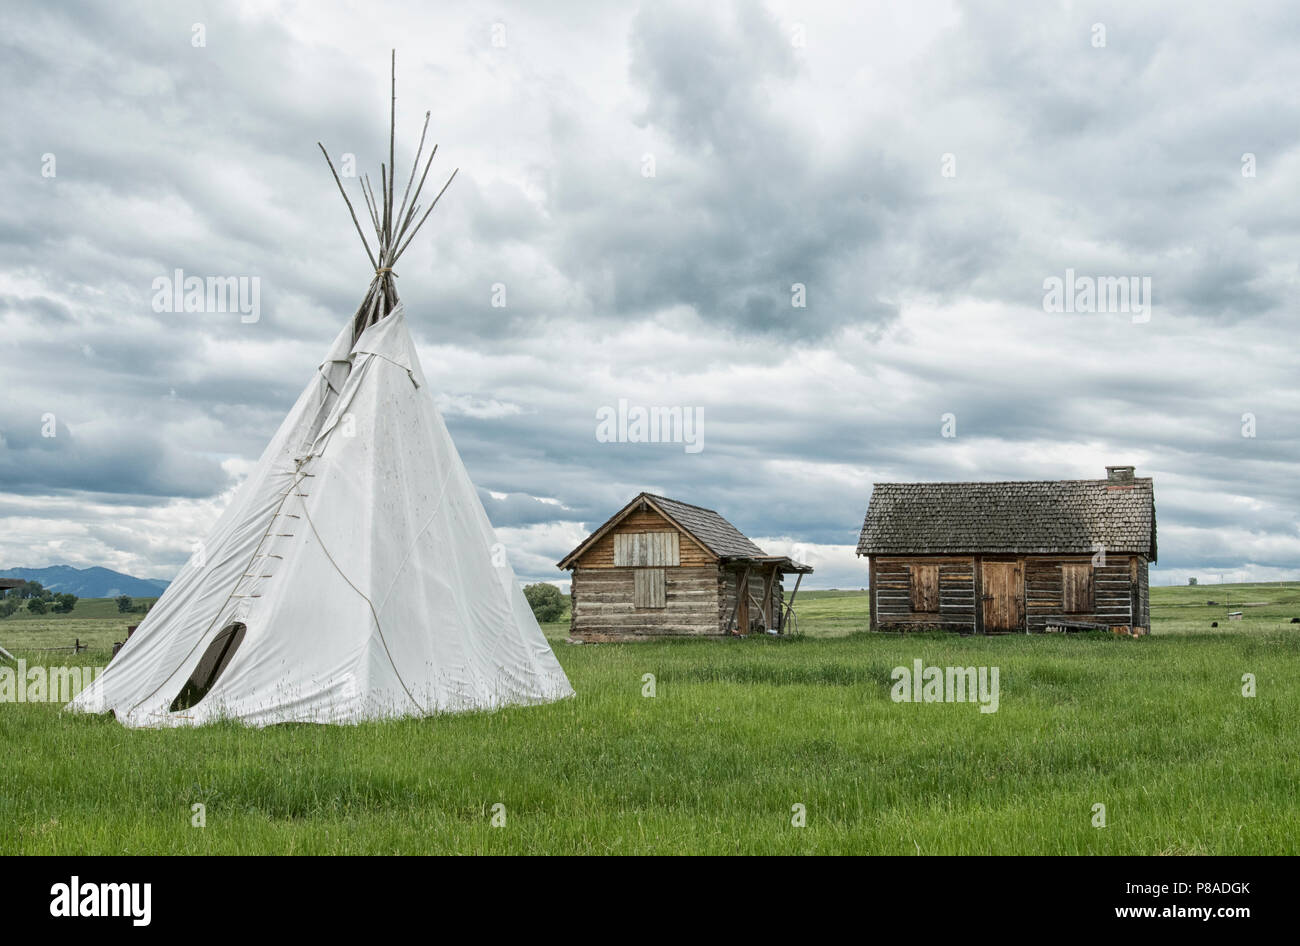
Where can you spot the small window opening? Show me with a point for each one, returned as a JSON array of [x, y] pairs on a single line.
[[648, 588], [1077, 589], [925, 588]]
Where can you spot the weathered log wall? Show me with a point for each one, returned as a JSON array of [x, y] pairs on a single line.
[[1112, 593], [1142, 606], [893, 599], [603, 608], [1117, 593]]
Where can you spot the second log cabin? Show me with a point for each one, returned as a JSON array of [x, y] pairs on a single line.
[[1022, 556]]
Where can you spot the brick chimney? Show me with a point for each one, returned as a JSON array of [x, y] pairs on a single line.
[[1119, 475]]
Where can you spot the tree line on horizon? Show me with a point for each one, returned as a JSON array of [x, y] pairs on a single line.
[[38, 598]]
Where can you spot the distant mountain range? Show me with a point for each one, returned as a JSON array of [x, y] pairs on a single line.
[[89, 582]]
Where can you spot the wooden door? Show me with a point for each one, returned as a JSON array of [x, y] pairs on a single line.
[[1001, 596]]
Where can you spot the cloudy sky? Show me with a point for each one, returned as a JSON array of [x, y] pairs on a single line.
[[648, 181]]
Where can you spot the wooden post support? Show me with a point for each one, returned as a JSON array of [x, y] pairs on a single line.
[[768, 586], [789, 605], [742, 604]]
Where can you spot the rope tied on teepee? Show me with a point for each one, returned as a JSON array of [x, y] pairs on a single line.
[[393, 231]]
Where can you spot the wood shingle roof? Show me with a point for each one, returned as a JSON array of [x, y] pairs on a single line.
[[722, 538], [704, 526], [1043, 516]]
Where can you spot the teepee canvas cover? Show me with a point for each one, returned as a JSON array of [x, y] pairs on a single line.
[[355, 575]]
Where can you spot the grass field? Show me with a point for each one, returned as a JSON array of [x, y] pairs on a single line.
[[739, 731], [94, 621]]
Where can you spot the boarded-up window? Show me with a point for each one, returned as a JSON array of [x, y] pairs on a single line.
[[1076, 589], [648, 588], [925, 588], [641, 549]]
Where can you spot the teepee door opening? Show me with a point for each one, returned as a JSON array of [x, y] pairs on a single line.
[[211, 666]]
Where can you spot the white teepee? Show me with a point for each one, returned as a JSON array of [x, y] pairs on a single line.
[[355, 574]]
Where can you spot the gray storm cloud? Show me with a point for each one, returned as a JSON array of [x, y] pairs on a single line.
[[790, 144]]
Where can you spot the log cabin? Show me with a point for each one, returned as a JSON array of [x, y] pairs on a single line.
[[1029, 556], [661, 568]]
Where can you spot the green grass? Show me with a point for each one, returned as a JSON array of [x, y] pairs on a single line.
[[94, 621], [830, 613], [739, 731], [1263, 606]]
